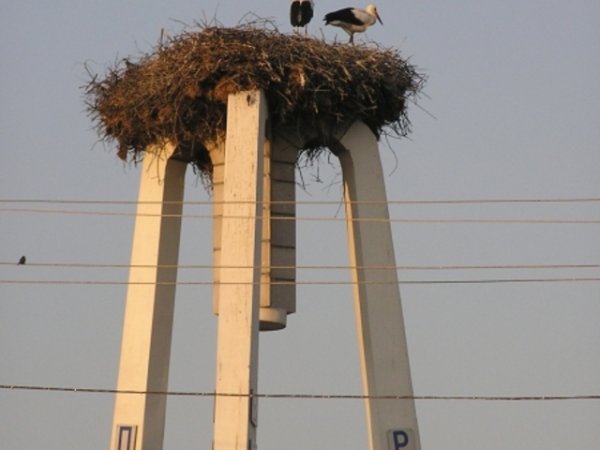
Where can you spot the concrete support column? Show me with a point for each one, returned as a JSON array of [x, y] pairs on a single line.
[[278, 210], [239, 273], [278, 293], [146, 344], [392, 424]]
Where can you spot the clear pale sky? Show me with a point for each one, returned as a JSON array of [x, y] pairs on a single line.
[[511, 111]]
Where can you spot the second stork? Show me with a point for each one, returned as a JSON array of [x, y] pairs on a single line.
[[301, 12], [353, 20]]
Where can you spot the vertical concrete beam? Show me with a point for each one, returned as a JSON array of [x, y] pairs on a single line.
[[217, 156], [392, 424], [239, 275], [278, 273], [146, 344]]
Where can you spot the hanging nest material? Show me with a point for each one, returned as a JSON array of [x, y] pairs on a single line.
[[179, 91]]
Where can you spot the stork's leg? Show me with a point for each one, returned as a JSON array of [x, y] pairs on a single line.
[[351, 38]]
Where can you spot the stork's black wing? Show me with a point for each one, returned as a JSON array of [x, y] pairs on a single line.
[[306, 8], [295, 14], [345, 15]]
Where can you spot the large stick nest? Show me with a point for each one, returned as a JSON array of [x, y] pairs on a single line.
[[179, 91]]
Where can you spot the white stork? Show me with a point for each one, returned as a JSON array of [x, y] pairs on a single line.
[[353, 20], [301, 12]]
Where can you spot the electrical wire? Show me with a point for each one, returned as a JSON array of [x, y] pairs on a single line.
[[520, 398], [311, 202], [315, 202], [308, 202], [14, 387], [313, 218], [314, 267], [298, 283]]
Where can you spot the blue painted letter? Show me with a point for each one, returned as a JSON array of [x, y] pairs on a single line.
[[400, 439]]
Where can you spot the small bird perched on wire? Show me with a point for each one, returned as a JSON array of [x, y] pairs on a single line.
[[22, 260], [353, 20], [301, 12]]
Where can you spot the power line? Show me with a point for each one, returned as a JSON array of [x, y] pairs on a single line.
[[307, 202], [80, 390], [434, 221], [442, 267], [317, 202], [301, 283]]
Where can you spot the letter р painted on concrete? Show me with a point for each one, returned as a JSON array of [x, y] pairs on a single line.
[[402, 439]]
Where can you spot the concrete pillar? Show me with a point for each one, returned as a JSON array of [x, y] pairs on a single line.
[[278, 210], [146, 343], [239, 273], [217, 156], [392, 424], [278, 272]]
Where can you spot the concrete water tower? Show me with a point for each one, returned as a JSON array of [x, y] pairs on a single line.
[[240, 104]]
